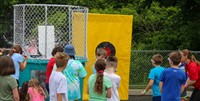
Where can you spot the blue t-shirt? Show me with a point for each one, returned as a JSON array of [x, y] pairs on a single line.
[[172, 79], [17, 59], [155, 75]]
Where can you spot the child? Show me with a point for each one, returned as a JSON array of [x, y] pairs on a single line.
[[154, 77], [74, 72], [172, 79], [111, 65], [35, 91], [50, 65], [58, 82], [99, 87], [182, 67], [100, 53], [8, 85], [192, 67], [20, 63], [23, 92]]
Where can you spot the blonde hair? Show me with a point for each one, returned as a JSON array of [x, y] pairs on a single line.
[[61, 59], [34, 83]]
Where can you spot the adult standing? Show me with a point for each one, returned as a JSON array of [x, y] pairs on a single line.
[[192, 67], [33, 49], [73, 72]]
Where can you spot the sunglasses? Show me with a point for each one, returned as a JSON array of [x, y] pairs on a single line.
[[169, 59], [152, 61]]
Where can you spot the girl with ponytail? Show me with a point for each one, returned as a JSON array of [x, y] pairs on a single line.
[[99, 87], [192, 67]]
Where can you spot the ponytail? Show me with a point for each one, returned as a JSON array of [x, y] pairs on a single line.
[[190, 56], [98, 87], [195, 60], [100, 66]]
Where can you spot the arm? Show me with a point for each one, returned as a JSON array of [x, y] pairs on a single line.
[[49, 69], [148, 87], [15, 94], [23, 64], [189, 82], [59, 97], [182, 88], [108, 95], [82, 72], [160, 86]]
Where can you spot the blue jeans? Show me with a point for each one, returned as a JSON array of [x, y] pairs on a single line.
[[156, 98]]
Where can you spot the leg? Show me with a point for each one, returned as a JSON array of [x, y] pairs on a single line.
[[47, 87], [193, 95], [197, 96]]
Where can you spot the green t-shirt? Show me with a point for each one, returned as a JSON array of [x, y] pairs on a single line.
[[7, 84], [93, 96]]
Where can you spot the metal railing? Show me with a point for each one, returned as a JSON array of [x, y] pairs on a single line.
[[141, 65]]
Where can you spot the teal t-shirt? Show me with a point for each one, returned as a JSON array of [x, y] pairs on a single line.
[[73, 72], [93, 96], [155, 75]]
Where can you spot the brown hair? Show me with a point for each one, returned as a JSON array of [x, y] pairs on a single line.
[[15, 49], [101, 52], [100, 66], [23, 92], [7, 66], [175, 57], [157, 58], [111, 61], [34, 83], [61, 59], [190, 56], [56, 49]]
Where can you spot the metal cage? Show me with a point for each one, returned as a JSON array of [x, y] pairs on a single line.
[[45, 26]]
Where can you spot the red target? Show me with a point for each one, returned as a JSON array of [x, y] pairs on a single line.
[[109, 47]]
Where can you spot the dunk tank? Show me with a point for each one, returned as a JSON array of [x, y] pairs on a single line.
[[38, 28]]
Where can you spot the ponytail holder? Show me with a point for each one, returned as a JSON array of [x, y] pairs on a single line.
[[100, 71]]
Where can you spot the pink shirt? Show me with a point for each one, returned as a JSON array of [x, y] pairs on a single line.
[[36, 96], [32, 50]]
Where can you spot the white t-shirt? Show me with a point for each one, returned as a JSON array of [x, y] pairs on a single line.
[[57, 84], [115, 79]]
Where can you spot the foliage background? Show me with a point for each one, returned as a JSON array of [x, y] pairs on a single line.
[[157, 24]]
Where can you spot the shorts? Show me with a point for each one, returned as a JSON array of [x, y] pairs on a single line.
[[156, 98]]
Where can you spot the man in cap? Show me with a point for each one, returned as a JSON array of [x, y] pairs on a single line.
[[73, 72]]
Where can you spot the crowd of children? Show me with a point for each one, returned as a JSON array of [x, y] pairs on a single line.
[[64, 72], [62, 77], [183, 72]]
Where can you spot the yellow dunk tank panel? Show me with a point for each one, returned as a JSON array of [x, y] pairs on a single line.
[[115, 29]]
